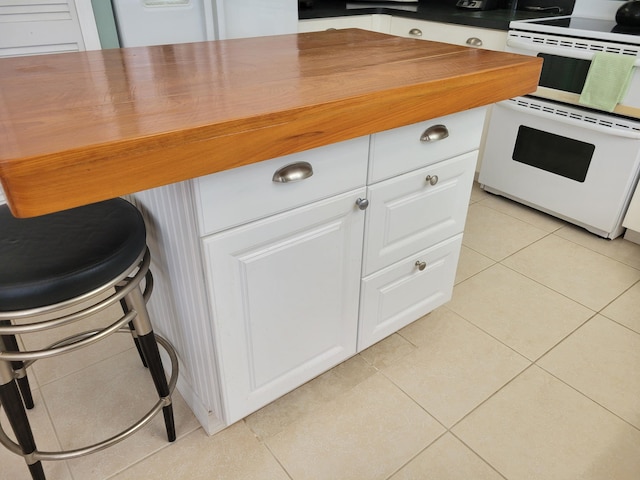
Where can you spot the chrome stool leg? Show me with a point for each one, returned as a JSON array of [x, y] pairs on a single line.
[[148, 345], [20, 371], [12, 403]]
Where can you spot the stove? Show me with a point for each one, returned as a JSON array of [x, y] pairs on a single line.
[[580, 27]]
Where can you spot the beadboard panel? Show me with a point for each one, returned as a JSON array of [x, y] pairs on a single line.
[[179, 303]]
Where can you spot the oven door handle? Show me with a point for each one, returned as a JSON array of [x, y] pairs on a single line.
[[569, 121], [518, 46]]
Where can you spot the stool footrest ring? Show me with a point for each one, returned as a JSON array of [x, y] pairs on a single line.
[[75, 453]]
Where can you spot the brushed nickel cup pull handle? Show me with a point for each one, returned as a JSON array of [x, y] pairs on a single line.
[[293, 172], [474, 42], [421, 265], [416, 32], [362, 203], [431, 179], [434, 133]]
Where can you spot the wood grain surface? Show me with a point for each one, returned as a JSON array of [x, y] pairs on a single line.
[[76, 128]]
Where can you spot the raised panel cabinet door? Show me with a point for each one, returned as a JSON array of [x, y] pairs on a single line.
[[284, 295], [400, 294], [416, 210]]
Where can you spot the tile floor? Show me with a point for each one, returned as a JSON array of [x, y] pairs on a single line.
[[532, 371]]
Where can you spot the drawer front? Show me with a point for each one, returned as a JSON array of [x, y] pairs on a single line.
[[396, 296], [409, 213], [243, 194], [445, 32], [401, 150]]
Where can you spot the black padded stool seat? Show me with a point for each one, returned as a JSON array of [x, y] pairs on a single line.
[[58, 270], [49, 259]]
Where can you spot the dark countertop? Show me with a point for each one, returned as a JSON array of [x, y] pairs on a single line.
[[443, 11]]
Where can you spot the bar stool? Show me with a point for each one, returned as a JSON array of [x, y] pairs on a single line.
[[68, 266]]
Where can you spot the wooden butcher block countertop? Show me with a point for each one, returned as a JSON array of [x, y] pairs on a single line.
[[77, 128]]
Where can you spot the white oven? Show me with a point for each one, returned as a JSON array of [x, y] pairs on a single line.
[[578, 165], [567, 46], [550, 152]]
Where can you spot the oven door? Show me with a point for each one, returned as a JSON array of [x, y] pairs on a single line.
[[574, 164], [566, 62]]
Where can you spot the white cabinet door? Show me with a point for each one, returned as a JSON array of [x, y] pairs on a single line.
[[284, 294], [255, 18], [400, 294], [413, 211], [449, 33], [37, 27]]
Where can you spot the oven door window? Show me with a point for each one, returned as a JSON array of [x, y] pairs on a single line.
[[563, 73], [553, 153]]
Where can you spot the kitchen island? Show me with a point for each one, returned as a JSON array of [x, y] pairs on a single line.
[[255, 163]]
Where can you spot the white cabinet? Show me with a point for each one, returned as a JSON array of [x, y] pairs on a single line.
[[276, 282], [449, 33], [284, 294], [415, 210], [375, 22], [632, 218]]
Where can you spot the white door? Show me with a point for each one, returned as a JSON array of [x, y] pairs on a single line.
[[43, 26], [284, 292], [413, 211], [160, 22]]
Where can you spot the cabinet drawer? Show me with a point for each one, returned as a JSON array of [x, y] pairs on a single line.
[[243, 194], [445, 32], [400, 150], [396, 296], [409, 212]]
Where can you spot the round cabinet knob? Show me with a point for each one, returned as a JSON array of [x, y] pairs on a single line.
[[474, 42], [432, 179], [421, 265], [416, 32], [362, 203]]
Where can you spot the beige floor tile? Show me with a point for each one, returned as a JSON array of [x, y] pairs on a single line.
[[495, 234], [519, 312], [231, 454], [470, 263], [523, 212], [367, 433], [477, 193], [53, 368], [104, 399], [575, 271], [540, 428], [387, 351], [309, 397], [447, 459], [455, 369], [626, 308], [602, 360], [619, 249], [13, 467]]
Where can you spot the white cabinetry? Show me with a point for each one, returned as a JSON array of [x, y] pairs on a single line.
[[374, 22], [277, 282], [448, 33], [632, 218], [284, 294]]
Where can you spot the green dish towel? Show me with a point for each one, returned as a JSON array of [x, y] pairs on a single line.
[[607, 80]]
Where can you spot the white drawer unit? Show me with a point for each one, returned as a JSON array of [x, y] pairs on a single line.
[[417, 209], [243, 194], [276, 282], [406, 148], [449, 33], [398, 295]]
